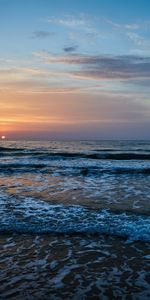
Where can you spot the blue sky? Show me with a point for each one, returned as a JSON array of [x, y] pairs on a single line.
[[86, 65], [112, 23]]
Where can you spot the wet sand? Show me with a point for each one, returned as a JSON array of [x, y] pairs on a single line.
[[73, 267]]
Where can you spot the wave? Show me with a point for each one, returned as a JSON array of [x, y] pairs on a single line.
[[30, 216], [18, 167], [119, 150], [96, 156], [8, 168], [68, 155], [19, 152], [119, 156], [89, 171], [10, 149]]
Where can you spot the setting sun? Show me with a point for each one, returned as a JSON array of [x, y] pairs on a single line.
[[3, 137]]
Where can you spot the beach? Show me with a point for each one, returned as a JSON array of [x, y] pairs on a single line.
[[75, 220]]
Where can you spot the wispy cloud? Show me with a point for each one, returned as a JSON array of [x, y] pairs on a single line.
[[137, 34], [69, 21], [139, 40], [41, 34], [81, 28], [141, 43], [73, 73], [132, 26], [140, 25], [80, 23], [102, 67]]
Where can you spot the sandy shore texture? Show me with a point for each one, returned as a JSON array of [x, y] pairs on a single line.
[[73, 267]]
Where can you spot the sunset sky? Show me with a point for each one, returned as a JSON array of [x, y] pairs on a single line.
[[75, 69]]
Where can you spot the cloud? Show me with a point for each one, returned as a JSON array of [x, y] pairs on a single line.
[[81, 29], [132, 26], [102, 66], [41, 34], [70, 49], [69, 21], [79, 23], [139, 40], [141, 43], [140, 25], [80, 73]]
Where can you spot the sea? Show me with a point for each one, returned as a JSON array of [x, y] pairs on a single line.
[[74, 220]]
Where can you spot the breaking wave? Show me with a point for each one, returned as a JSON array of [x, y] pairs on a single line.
[[30, 216]]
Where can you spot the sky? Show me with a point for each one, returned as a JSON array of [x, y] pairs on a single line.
[[75, 69]]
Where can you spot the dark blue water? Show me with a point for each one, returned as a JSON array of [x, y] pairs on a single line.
[[76, 187]]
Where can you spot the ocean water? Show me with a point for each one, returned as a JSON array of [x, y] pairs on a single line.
[[75, 220]]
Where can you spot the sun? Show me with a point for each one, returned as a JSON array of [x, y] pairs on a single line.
[[3, 137]]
